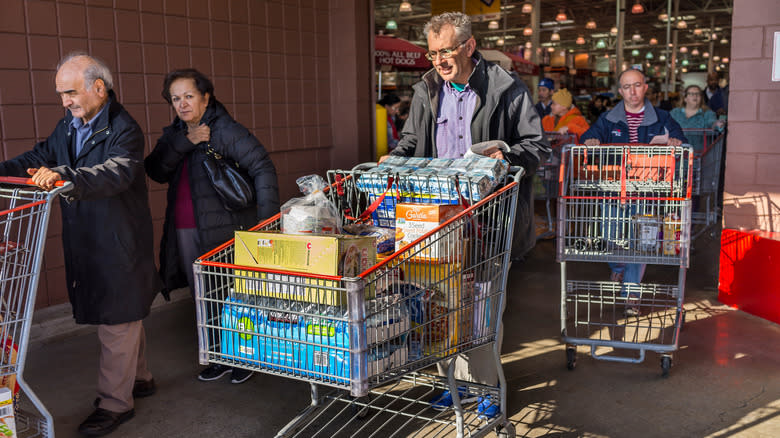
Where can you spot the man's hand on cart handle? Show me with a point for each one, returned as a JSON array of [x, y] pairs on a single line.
[[382, 158], [675, 142], [44, 177], [592, 142]]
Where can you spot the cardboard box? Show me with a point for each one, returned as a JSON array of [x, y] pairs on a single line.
[[335, 254], [412, 221], [7, 422]]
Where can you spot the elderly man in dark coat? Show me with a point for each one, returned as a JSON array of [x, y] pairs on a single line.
[[107, 229]]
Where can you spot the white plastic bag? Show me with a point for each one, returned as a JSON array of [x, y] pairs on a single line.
[[313, 213]]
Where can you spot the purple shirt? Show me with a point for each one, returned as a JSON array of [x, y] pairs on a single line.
[[453, 125]]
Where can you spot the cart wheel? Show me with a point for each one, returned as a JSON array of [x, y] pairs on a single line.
[[666, 364], [506, 430], [571, 357]]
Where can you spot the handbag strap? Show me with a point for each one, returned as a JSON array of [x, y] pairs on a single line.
[[208, 150]]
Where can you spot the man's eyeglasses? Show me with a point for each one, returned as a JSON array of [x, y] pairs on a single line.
[[443, 53]]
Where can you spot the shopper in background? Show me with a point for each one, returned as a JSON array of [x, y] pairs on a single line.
[[713, 92], [465, 100], [596, 107], [392, 103], [633, 120], [403, 114], [564, 116], [106, 230], [694, 115], [195, 219], [545, 91]]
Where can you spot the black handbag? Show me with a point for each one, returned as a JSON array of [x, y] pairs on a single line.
[[228, 180]]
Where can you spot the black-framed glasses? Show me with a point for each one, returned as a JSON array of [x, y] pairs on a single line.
[[443, 53]]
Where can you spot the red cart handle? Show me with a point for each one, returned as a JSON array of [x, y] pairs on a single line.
[[25, 181]]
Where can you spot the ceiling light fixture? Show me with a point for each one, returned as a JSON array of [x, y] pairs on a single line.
[[724, 41], [635, 52], [551, 49], [591, 24], [613, 31], [528, 31], [653, 41], [637, 8], [682, 24], [528, 45], [663, 17], [561, 16], [405, 6], [636, 36], [555, 36], [493, 25], [697, 31], [527, 8], [662, 58], [705, 54], [391, 24], [716, 58], [683, 49], [500, 42], [600, 44], [580, 40], [649, 55], [725, 60], [695, 52]]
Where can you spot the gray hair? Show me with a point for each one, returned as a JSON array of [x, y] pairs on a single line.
[[460, 21], [96, 69]]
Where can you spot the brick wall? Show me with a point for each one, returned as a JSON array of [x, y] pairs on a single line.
[[752, 184], [272, 64]]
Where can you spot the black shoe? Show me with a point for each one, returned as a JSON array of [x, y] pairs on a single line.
[[102, 422], [240, 375], [214, 372], [144, 388]]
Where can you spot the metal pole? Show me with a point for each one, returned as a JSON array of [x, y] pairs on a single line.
[[710, 62], [535, 36], [621, 19], [672, 75], [668, 40]]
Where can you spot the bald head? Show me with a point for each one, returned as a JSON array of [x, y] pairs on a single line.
[[83, 82]]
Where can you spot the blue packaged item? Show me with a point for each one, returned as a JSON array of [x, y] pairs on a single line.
[[394, 161], [283, 348], [440, 163], [417, 162], [239, 339]]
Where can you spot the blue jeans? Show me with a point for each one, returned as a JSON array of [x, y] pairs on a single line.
[[632, 273]]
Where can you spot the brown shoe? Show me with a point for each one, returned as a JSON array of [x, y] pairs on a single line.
[[102, 422], [144, 388]]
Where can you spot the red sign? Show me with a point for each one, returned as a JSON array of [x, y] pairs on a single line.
[[399, 53]]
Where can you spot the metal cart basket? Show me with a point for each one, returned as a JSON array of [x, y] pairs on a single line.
[[546, 178], [709, 147], [624, 204], [24, 219], [367, 336]]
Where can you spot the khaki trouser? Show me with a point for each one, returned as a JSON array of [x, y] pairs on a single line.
[[122, 361]]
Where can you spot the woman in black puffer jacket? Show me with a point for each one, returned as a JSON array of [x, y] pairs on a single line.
[[195, 219]]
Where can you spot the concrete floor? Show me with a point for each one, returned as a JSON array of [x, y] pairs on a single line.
[[725, 379]]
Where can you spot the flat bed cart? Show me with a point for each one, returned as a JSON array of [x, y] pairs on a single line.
[[624, 204], [367, 337], [24, 219]]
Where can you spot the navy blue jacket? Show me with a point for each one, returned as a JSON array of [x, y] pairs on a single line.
[[612, 127]]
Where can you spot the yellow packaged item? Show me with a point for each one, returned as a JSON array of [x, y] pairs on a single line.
[[335, 254]]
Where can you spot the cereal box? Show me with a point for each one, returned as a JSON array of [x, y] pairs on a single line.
[[412, 221]]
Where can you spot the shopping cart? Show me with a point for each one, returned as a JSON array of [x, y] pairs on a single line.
[[546, 178], [623, 204], [24, 218], [709, 147], [368, 336]]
